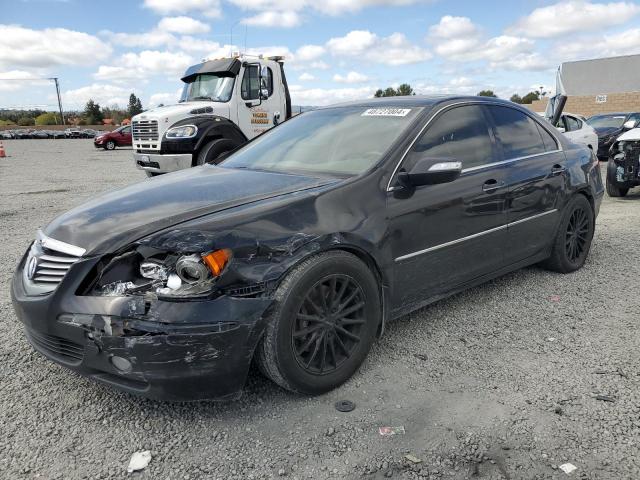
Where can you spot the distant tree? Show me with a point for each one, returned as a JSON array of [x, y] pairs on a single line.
[[6, 122], [26, 121], [515, 98], [92, 113], [135, 105], [530, 97], [487, 93], [404, 89], [48, 118]]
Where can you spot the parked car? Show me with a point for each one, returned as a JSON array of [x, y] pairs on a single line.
[[120, 137], [609, 126], [73, 132], [89, 133], [298, 248], [57, 134], [40, 134], [6, 134], [623, 169], [24, 134]]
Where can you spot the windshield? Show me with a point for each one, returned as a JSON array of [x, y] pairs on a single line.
[[208, 86], [338, 141], [606, 121]]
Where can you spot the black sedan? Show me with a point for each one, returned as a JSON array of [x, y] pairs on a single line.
[[300, 247]]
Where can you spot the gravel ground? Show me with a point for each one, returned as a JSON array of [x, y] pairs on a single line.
[[499, 382]]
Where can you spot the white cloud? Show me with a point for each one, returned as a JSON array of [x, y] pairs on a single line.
[[152, 39], [104, 94], [209, 8], [351, 77], [164, 98], [183, 25], [392, 50], [145, 64], [49, 47], [574, 16], [306, 77], [20, 79], [453, 27], [626, 42], [309, 52], [327, 96], [273, 18]]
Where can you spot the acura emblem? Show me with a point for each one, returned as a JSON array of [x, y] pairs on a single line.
[[31, 268]]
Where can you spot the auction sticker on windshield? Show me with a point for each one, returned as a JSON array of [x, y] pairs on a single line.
[[386, 112]]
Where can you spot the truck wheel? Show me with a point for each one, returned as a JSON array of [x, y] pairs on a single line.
[[573, 238], [212, 151], [110, 145], [325, 316]]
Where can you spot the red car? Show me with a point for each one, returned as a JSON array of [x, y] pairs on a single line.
[[120, 137]]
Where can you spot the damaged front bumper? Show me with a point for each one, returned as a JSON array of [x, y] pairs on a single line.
[[169, 350]]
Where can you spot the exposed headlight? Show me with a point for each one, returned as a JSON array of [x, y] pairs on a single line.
[[184, 131], [168, 275]]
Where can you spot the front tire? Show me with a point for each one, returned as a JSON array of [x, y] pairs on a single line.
[[614, 189], [110, 145], [325, 317], [213, 150], [573, 238]]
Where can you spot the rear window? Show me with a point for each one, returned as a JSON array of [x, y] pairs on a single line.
[[517, 132]]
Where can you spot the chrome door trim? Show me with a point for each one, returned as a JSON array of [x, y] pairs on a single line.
[[471, 237], [504, 162]]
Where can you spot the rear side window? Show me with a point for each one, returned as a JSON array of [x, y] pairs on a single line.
[[250, 88], [573, 124], [460, 134], [517, 132], [550, 143]]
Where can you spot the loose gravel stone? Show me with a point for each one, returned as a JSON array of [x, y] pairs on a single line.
[[472, 374]]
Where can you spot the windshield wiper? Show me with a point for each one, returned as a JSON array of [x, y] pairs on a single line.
[[202, 97]]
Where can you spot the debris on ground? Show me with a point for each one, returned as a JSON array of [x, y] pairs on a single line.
[[420, 356], [605, 398], [554, 298], [345, 406], [389, 431], [412, 458], [567, 468], [139, 461]]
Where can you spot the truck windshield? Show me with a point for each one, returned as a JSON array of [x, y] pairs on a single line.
[[606, 121], [340, 141], [208, 86]]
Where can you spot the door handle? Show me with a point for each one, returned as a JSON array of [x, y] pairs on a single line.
[[492, 185], [557, 170]]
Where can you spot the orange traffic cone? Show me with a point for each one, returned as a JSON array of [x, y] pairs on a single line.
[[2, 152]]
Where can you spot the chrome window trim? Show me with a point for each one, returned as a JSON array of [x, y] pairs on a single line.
[[471, 237], [479, 167]]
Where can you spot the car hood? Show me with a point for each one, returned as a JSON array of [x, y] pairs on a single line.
[[606, 131], [117, 218], [630, 135]]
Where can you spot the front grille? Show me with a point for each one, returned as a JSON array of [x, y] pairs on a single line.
[[56, 346], [144, 130], [48, 262]]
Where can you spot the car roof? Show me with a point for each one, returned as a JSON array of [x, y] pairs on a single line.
[[418, 101]]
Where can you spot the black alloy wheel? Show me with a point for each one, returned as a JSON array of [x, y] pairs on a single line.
[[577, 235], [328, 326]]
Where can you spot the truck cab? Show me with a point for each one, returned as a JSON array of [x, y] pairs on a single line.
[[224, 103]]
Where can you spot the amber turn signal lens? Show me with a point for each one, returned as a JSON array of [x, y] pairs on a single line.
[[217, 260]]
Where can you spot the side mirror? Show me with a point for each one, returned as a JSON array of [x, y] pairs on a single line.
[[629, 124], [561, 129], [426, 172]]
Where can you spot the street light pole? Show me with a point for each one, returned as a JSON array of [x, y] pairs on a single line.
[[55, 79]]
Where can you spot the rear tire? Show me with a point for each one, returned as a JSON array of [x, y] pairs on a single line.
[[110, 145], [573, 238], [213, 150], [324, 319]]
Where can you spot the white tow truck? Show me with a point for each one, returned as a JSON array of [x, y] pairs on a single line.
[[224, 103]]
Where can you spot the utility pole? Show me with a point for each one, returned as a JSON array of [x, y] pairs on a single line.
[[55, 79]]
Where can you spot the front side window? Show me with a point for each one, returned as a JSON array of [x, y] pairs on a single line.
[[460, 134], [251, 83], [208, 86], [516, 131], [126, 130], [341, 141]]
